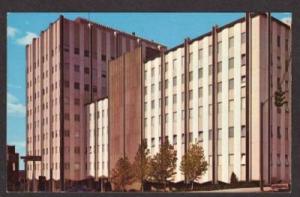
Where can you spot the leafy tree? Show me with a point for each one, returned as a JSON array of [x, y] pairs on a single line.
[[141, 164], [233, 178], [163, 164], [122, 174], [193, 164]]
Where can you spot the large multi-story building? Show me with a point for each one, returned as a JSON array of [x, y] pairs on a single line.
[[216, 90], [212, 89], [67, 68]]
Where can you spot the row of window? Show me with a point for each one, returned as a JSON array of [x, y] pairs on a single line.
[[200, 70]]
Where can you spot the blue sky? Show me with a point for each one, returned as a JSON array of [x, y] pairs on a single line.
[[169, 29]]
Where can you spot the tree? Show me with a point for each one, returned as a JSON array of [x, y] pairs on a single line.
[[233, 178], [193, 164], [163, 164], [122, 174], [141, 164]]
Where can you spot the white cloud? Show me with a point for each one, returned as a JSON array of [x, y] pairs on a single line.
[[11, 31], [26, 39], [287, 20], [14, 107]]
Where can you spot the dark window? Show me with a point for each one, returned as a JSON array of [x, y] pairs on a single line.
[[76, 51], [77, 85], [278, 41], [200, 136], [103, 75], [86, 87], [278, 133], [200, 73], [243, 131], [103, 57], [94, 89], [210, 134], [77, 117], [231, 132], [86, 53], [86, 70]]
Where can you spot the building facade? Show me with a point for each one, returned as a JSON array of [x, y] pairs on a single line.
[[209, 90], [97, 145], [67, 68], [12, 162]]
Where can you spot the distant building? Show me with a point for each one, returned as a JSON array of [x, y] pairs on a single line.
[[12, 163]]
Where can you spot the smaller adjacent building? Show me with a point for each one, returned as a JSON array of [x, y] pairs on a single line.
[[12, 162], [97, 141]]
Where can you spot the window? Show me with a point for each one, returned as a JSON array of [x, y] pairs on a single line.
[[278, 159], [166, 83], [152, 72], [219, 67], [200, 136], [152, 142], [278, 133], [166, 101], [286, 160], [152, 121], [231, 42], [243, 59], [209, 69], [145, 90], [243, 103], [76, 149], [174, 116], [166, 66], [243, 131], [77, 85], [243, 159], [152, 104], [286, 44], [209, 49], [200, 92], [219, 87], [190, 94], [200, 54], [174, 139], [190, 75], [231, 84], [76, 68], [166, 117], [86, 70], [76, 51], [231, 63], [200, 112], [190, 137], [174, 98], [230, 132], [210, 89], [174, 65], [230, 106], [174, 81], [200, 73], [243, 37], [145, 106], [77, 117], [210, 134], [103, 57], [190, 113], [86, 87], [86, 53], [278, 41], [243, 80], [219, 108], [219, 49], [152, 88]]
